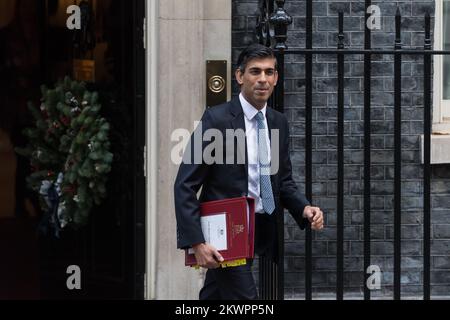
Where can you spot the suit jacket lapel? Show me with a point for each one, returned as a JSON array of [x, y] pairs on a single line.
[[270, 121], [270, 116], [237, 123]]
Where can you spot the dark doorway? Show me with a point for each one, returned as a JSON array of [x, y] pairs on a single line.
[[36, 47]]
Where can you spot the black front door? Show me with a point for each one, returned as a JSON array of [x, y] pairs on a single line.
[[37, 46]]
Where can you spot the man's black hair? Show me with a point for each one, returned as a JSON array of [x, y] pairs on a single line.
[[253, 51]]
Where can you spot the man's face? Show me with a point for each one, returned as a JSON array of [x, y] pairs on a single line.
[[258, 80]]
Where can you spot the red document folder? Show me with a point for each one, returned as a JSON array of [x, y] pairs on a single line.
[[229, 225]]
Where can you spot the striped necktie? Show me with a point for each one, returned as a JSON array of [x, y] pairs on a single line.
[[268, 201]]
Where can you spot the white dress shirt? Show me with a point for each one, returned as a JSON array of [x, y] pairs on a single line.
[[251, 132]]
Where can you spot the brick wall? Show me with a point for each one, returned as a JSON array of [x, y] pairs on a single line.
[[325, 155]]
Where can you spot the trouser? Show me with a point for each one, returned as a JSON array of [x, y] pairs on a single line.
[[232, 283]]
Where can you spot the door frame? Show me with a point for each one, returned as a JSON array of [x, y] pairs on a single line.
[[151, 164], [139, 87]]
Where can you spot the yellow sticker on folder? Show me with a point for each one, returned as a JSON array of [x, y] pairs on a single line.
[[226, 264]]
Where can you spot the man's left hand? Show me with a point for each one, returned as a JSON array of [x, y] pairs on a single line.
[[315, 216]]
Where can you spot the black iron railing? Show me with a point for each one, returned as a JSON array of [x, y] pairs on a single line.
[[272, 30]]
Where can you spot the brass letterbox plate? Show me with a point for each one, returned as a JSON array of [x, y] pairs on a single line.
[[84, 70]]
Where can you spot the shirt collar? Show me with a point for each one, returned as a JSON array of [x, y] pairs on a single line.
[[249, 110]]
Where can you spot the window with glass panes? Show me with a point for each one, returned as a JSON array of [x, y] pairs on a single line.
[[441, 111], [446, 46]]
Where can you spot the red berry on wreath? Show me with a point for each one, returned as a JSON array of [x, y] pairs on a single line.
[[65, 121]]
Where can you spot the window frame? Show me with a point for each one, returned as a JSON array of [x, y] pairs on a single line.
[[441, 107]]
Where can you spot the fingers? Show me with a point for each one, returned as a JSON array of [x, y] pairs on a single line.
[[218, 256], [313, 213], [317, 225], [212, 265], [213, 261], [317, 218], [212, 258], [207, 256], [210, 262], [317, 215]]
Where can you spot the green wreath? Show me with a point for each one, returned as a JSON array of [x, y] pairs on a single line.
[[68, 148]]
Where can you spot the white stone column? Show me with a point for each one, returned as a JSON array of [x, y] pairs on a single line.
[[189, 32]]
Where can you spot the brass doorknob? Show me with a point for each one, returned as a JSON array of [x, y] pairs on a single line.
[[216, 84]]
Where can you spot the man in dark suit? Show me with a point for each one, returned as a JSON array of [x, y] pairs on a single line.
[[272, 188]]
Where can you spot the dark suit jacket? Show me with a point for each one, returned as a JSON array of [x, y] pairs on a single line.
[[221, 181]]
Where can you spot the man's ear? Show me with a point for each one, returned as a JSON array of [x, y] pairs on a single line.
[[276, 78], [238, 74]]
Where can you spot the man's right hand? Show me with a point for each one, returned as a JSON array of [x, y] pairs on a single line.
[[207, 256]]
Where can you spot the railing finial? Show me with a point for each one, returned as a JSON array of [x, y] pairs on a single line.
[[398, 28], [427, 31], [280, 20], [341, 35]]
